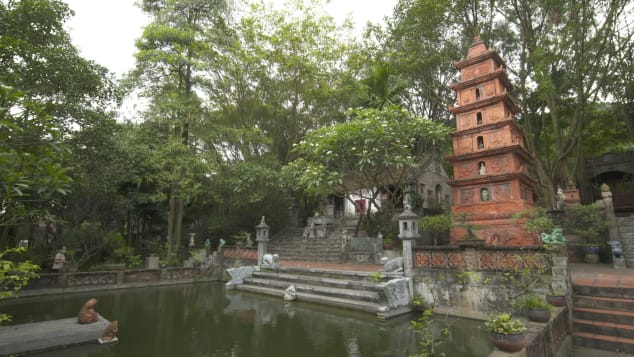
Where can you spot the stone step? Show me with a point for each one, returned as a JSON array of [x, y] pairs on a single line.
[[603, 315], [602, 342], [361, 295], [364, 306], [340, 274], [604, 291], [604, 328], [318, 280], [606, 303]]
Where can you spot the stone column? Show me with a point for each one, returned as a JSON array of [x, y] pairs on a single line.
[[408, 231], [262, 237]]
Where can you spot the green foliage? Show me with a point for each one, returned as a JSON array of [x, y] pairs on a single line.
[[126, 255], [505, 324], [376, 277], [14, 274], [438, 225], [373, 149], [382, 222], [536, 220], [429, 339], [87, 241], [588, 221], [47, 91], [533, 302]]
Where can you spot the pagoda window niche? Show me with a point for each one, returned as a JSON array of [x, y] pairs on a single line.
[[477, 93], [480, 142], [479, 118], [482, 170], [484, 194]]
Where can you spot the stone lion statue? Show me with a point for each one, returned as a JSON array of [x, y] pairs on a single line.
[[87, 314]]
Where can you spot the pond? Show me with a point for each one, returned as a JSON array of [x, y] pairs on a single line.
[[206, 320]]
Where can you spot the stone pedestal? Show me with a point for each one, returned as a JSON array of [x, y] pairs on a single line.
[[151, 262]]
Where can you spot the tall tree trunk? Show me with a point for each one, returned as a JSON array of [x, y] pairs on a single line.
[[171, 255], [178, 225]]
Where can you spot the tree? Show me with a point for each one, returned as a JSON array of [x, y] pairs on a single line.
[[564, 57], [376, 149], [47, 92], [169, 62], [569, 50]]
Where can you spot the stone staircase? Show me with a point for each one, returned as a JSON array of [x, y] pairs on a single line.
[[290, 245], [351, 290], [625, 222], [603, 317]]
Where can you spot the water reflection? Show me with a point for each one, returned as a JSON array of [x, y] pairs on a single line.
[[204, 320]]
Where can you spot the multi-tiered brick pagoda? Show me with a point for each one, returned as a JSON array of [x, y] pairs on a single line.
[[491, 180]]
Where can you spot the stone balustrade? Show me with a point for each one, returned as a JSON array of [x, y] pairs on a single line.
[[480, 258], [109, 278]]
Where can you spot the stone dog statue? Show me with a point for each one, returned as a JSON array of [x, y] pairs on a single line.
[[87, 314], [110, 333], [271, 260]]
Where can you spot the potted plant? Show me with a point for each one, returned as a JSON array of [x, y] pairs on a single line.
[[587, 221], [536, 308], [557, 298], [507, 333]]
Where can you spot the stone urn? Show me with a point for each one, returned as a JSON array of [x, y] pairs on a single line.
[[513, 342], [538, 315], [558, 300]]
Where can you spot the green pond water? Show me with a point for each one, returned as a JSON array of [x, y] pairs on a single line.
[[206, 320]]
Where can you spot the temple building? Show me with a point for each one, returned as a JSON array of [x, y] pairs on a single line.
[[491, 180]]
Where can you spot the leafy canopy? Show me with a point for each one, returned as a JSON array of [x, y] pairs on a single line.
[[375, 147]]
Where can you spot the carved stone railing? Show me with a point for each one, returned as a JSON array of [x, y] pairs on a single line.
[[101, 279], [240, 253], [480, 258]]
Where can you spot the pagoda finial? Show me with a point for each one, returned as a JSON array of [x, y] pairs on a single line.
[[476, 38]]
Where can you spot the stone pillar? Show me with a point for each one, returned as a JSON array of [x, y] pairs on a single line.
[[408, 231], [613, 229], [262, 237]]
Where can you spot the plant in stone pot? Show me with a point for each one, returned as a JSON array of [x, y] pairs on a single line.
[[536, 308], [507, 333], [588, 221], [557, 298]]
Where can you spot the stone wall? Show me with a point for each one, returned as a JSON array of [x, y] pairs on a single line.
[[471, 282]]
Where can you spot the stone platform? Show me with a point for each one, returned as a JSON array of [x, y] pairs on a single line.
[[49, 335]]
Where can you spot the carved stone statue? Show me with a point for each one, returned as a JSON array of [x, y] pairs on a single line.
[[271, 260], [483, 169], [290, 294], [110, 333], [560, 197], [87, 314]]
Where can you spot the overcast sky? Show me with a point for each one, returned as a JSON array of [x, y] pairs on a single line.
[[105, 30]]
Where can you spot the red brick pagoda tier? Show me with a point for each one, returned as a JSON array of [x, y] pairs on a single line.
[[491, 180]]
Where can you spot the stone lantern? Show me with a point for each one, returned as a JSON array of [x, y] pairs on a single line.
[[262, 237], [408, 231]]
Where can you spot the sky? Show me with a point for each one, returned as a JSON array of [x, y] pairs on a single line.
[[105, 30]]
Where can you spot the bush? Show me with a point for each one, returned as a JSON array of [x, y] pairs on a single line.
[[505, 324], [587, 221]]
